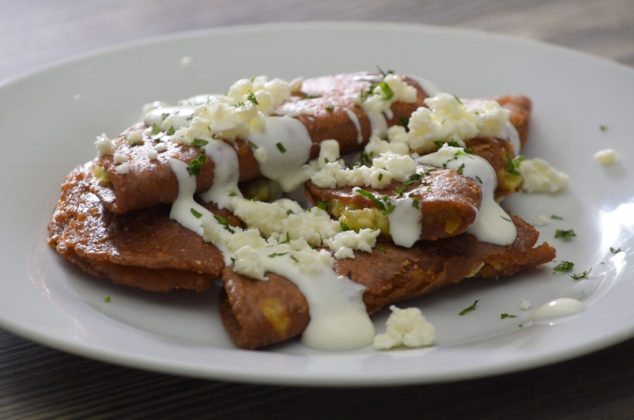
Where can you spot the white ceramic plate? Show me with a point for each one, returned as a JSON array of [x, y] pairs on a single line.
[[49, 120]]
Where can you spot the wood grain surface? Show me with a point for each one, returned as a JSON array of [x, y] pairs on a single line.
[[37, 382]]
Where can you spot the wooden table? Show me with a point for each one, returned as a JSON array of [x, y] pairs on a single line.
[[39, 382]]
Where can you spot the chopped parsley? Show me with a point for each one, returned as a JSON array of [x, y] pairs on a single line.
[[615, 251], [603, 127], [404, 121], [506, 316], [107, 299], [413, 179], [223, 222], [380, 176], [196, 165], [196, 213], [287, 239], [164, 116], [383, 72], [312, 96], [460, 169], [564, 267], [381, 249], [170, 131], [253, 145], [507, 219], [457, 99], [155, 129], [479, 179], [277, 254], [513, 164], [280, 147], [565, 235], [200, 142], [470, 308], [582, 275], [293, 258], [251, 98], [384, 204], [322, 205], [386, 91], [556, 217], [344, 227], [416, 203], [233, 194], [330, 108], [451, 143]]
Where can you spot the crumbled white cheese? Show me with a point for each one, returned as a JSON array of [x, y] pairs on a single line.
[[160, 147], [540, 176], [385, 168], [247, 262], [448, 118], [343, 244], [286, 216], [120, 157], [152, 154], [186, 61], [525, 304], [104, 145], [376, 102], [123, 169], [296, 84], [406, 327], [260, 155], [134, 137], [606, 157]]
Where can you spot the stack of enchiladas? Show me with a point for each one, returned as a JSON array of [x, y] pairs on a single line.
[[315, 202]]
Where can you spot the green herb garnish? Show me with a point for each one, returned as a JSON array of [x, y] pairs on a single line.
[[513, 164], [164, 116], [200, 142], [170, 131], [196, 165], [582, 275], [155, 129], [565, 235], [506, 316], [469, 308], [223, 222], [460, 169], [603, 127], [330, 108], [383, 72], [287, 239], [386, 91], [251, 98], [564, 267], [457, 99], [293, 258], [479, 179], [507, 219], [280, 147], [322, 205], [615, 251], [416, 203], [344, 227], [384, 204], [556, 217], [107, 299], [451, 143], [277, 254], [196, 213], [404, 121]]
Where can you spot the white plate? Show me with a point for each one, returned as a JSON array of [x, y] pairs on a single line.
[[47, 130]]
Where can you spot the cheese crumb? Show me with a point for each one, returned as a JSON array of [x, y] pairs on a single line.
[[134, 137], [405, 327], [606, 157], [152, 154], [539, 176], [104, 145], [160, 147], [344, 243], [123, 169], [120, 158]]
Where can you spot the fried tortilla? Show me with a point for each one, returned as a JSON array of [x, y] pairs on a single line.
[[259, 313], [143, 249], [448, 201], [326, 106]]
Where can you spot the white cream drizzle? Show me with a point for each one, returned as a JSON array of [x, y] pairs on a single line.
[[405, 222], [492, 223], [355, 120], [284, 144], [556, 309], [226, 174], [510, 134], [339, 320]]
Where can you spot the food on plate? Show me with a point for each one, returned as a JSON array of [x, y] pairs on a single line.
[[405, 183], [257, 314]]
